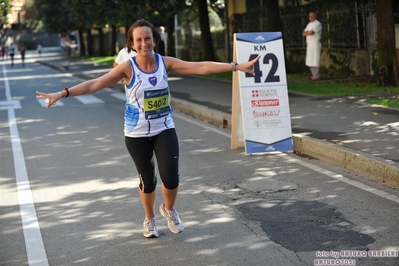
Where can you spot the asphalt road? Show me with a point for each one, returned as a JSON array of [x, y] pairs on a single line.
[[68, 192]]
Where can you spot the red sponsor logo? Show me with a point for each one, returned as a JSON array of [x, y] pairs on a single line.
[[264, 93], [256, 114], [265, 103], [255, 93]]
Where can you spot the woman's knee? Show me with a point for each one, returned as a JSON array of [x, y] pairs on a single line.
[[171, 183], [147, 186]]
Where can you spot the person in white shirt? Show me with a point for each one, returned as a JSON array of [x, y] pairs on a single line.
[[312, 32], [11, 53], [123, 55], [162, 45], [39, 49], [127, 52]]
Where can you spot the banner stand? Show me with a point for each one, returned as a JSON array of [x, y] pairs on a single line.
[[260, 118], [237, 139]]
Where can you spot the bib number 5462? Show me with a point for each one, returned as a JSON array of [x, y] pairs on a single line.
[[267, 59]]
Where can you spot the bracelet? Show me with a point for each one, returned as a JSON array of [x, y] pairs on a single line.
[[67, 92], [234, 66]]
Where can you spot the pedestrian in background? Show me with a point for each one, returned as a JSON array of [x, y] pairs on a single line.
[[39, 49], [312, 32], [5, 52], [149, 127], [22, 50], [11, 53], [126, 52], [163, 41]]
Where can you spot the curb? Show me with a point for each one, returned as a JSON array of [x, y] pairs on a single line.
[[201, 112], [54, 66], [378, 169]]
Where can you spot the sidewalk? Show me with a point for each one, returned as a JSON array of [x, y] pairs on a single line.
[[343, 131]]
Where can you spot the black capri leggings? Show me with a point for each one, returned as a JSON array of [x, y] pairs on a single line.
[[166, 148]]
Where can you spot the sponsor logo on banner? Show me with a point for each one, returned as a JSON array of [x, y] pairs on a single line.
[[268, 123], [257, 114], [265, 103], [264, 93], [260, 38], [270, 148]]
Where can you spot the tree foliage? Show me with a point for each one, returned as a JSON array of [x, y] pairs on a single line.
[[166, 11], [68, 15], [50, 15]]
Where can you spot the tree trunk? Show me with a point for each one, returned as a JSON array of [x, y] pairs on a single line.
[[113, 41], [387, 66], [101, 45], [90, 43], [206, 37], [170, 30], [273, 21], [82, 43], [273, 15]]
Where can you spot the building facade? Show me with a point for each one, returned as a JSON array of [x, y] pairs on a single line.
[[17, 13]]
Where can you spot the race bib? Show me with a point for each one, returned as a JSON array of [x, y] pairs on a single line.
[[156, 103]]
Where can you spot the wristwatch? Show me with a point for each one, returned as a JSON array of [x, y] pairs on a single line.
[[234, 66]]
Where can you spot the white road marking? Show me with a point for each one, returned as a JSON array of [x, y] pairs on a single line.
[[120, 96], [341, 178], [15, 104], [33, 239], [88, 99], [26, 77], [43, 103]]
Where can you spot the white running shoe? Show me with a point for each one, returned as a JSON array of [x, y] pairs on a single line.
[[150, 230], [174, 223]]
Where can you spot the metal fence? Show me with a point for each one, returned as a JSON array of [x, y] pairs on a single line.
[[346, 24]]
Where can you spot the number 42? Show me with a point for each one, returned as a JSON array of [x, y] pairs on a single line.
[[271, 77]]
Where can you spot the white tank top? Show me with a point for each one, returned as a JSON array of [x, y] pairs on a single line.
[[148, 111]]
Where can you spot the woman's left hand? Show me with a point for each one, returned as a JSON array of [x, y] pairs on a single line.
[[248, 67]]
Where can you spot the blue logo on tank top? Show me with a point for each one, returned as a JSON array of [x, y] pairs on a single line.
[[153, 80]]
